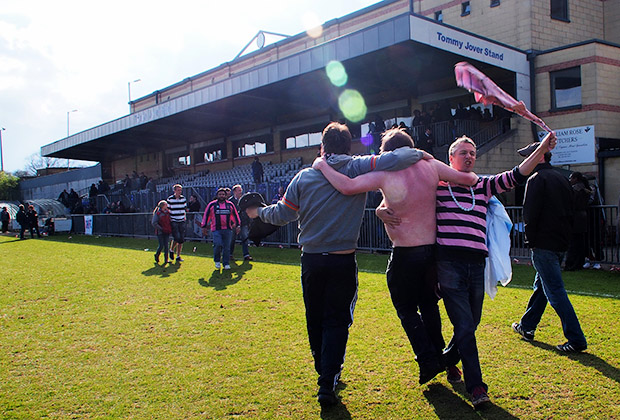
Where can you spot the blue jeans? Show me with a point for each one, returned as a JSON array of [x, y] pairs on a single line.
[[221, 245], [243, 237], [162, 238], [549, 287], [462, 289]]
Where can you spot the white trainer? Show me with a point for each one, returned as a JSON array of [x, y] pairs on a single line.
[[218, 265]]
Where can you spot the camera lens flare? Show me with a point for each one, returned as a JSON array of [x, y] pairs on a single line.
[[336, 73], [352, 105]]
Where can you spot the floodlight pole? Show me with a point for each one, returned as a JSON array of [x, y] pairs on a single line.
[[129, 92], [1, 157], [69, 112]]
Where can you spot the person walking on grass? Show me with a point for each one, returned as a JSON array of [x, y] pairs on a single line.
[[237, 192], [222, 219], [329, 224], [548, 216], [161, 223], [177, 205]]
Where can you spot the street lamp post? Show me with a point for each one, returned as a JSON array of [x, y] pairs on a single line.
[[1, 157], [129, 91], [69, 112]]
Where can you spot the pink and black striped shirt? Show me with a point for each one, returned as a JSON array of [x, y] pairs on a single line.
[[461, 235], [220, 216]]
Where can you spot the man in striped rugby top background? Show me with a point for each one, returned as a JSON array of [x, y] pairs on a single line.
[[177, 205]]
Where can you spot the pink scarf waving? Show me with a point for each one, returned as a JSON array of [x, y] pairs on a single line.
[[488, 93]]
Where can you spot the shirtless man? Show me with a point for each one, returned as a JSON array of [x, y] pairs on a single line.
[[410, 193]]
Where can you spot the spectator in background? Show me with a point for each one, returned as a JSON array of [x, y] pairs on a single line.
[[194, 204], [143, 180], [461, 112], [92, 193], [64, 198], [74, 198], [548, 216], [177, 205], [221, 218], [150, 185], [237, 192], [417, 119], [5, 218], [161, 223], [427, 141], [576, 256], [486, 115], [404, 127], [22, 219], [257, 170], [33, 221], [102, 187], [278, 195]]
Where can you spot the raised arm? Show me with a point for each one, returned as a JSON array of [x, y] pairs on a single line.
[[546, 145], [349, 186], [446, 173]]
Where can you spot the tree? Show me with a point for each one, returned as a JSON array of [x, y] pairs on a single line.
[[36, 162], [9, 187]]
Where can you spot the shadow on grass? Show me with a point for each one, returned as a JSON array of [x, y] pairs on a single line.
[[221, 280], [448, 405], [338, 411], [161, 270], [585, 359]]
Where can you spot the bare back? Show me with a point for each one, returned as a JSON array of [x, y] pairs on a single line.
[[410, 193]]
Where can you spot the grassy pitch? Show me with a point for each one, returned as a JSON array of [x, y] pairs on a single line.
[[91, 328]]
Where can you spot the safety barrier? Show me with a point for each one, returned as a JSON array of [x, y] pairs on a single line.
[[602, 240]]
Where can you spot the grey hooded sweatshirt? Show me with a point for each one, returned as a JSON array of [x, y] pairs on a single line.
[[330, 221]]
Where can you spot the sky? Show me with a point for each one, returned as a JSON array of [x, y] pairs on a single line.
[[66, 65]]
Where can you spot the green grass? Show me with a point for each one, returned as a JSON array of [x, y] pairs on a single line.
[[90, 328]]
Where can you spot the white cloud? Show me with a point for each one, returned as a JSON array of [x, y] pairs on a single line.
[[56, 56]]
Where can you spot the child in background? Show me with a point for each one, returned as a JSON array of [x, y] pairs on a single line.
[[161, 223]]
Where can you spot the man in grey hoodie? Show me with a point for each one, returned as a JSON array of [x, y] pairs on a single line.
[[329, 225]]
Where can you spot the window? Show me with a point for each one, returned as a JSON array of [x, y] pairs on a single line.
[[252, 149], [559, 10], [494, 3], [465, 8], [565, 88], [439, 16], [213, 155], [303, 140]]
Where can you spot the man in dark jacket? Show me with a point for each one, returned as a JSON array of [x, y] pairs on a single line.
[[33, 221], [5, 218], [22, 219], [548, 217]]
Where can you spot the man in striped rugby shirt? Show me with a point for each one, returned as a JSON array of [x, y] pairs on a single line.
[[461, 253], [177, 205]]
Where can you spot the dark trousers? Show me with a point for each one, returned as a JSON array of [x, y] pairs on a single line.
[[462, 289], [34, 228], [576, 256], [411, 278], [329, 284], [5, 227]]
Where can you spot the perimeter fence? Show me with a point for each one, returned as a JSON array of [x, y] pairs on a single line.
[[602, 239]]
